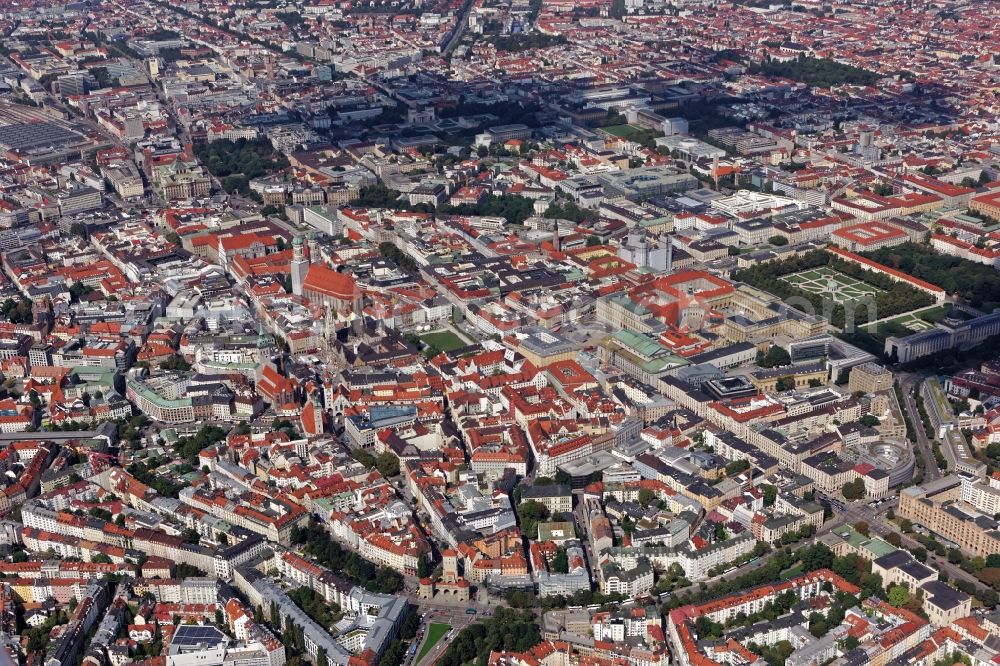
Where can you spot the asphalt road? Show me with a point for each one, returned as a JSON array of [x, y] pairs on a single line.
[[461, 25], [931, 471], [444, 613]]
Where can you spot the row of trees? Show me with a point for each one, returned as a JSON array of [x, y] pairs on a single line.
[[143, 471], [17, 312], [515, 209], [522, 42], [175, 362], [508, 631], [570, 211], [986, 570], [807, 558], [529, 514], [316, 541], [236, 163], [377, 196], [189, 447], [892, 298], [386, 463], [315, 606], [976, 283], [817, 72], [389, 251]]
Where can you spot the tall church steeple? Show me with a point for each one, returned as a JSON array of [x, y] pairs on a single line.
[[299, 265]]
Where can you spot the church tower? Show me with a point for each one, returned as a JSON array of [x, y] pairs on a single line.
[[299, 265]]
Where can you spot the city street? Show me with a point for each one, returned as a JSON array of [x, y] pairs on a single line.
[[908, 383], [456, 616]]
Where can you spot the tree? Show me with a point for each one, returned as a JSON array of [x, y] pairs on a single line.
[[784, 384], [513, 208], [387, 464], [424, 567], [393, 656], [507, 630], [389, 251], [175, 362], [737, 467], [17, 312], [862, 527], [719, 532], [869, 421], [854, 490], [778, 240], [895, 539], [816, 72], [987, 597], [816, 556], [898, 595], [646, 496], [530, 514], [770, 494], [818, 625], [411, 623], [570, 211], [100, 513], [236, 163], [593, 241], [627, 525], [560, 561], [706, 628], [776, 356]]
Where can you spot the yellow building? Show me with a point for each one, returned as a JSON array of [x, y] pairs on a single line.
[[937, 505]]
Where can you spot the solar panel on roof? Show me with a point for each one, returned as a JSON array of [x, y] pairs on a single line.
[[189, 634]]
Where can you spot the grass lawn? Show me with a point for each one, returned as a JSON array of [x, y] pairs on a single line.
[[911, 322], [435, 632], [792, 573], [831, 283], [444, 340]]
